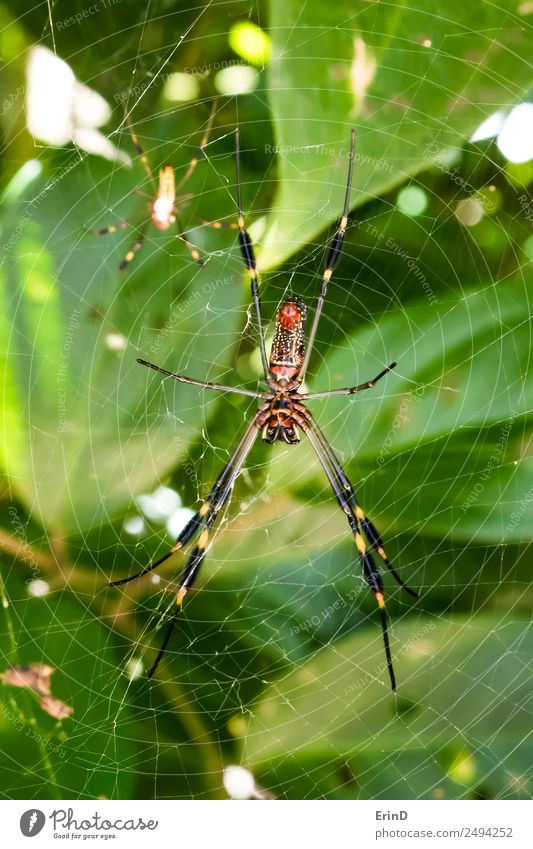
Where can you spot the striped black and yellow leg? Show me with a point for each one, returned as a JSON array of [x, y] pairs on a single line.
[[131, 253], [206, 517], [140, 151], [219, 225], [193, 250], [359, 524], [248, 256], [376, 542], [113, 228], [200, 152], [331, 259], [185, 536], [351, 504]]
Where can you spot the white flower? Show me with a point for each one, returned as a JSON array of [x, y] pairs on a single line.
[[60, 109]]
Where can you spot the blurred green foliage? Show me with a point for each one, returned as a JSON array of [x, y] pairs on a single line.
[[277, 663]]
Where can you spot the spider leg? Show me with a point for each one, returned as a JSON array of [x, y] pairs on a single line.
[[139, 149], [133, 250], [359, 524], [350, 390], [113, 228], [205, 516], [164, 644], [194, 161], [194, 252], [331, 259], [350, 497], [219, 225], [247, 253], [219, 387]]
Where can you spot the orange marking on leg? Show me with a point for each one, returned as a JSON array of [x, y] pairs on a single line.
[[380, 600], [359, 513], [180, 596]]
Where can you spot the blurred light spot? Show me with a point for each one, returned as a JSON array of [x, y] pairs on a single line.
[[239, 782], [238, 79], [490, 127], [134, 526], [519, 173], [250, 42], [21, 180], [116, 342], [178, 520], [412, 201], [134, 668], [525, 8], [528, 247], [167, 499], [237, 726], [490, 199], [181, 88], [60, 109], [362, 72], [38, 588], [515, 140], [160, 504], [40, 288], [156, 579], [469, 212], [463, 769], [427, 42]]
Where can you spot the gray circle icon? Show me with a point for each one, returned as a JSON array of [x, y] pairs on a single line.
[[32, 822]]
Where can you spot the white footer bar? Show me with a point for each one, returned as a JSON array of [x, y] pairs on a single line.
[[251, 825]]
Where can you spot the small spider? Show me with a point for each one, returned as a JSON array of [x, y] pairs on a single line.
[[163, 209], [281, 416]]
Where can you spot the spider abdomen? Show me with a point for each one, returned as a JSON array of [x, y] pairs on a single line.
[[163, 207], [287, 352]]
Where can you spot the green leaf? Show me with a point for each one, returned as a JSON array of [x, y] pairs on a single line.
[[412, 81], [444, 436], [83, 756], [84, 426], [462, 706]]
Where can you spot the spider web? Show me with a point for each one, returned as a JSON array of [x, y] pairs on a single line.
[[276, 662]]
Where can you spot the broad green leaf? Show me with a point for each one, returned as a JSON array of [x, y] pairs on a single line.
[[463, 703], [444, 435], [414, 83], [85, 428]]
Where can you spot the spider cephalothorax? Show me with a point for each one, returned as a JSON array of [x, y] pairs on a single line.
[[282, 414]]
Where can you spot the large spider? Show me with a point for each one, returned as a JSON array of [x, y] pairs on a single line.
[[281, 416]]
